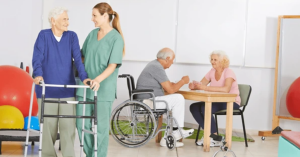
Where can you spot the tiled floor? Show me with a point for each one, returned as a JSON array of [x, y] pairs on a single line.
[[259, 148]]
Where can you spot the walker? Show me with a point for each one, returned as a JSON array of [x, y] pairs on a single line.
[[94, 117]]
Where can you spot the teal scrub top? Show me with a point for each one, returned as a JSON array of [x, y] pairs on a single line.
[[97, 56]]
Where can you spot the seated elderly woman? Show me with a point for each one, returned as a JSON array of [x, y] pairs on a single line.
[[221, 79]]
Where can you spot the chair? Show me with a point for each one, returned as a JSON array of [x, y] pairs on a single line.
[[245, 91]]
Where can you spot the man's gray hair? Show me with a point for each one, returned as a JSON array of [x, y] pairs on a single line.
[[54, 13], [163, 54]]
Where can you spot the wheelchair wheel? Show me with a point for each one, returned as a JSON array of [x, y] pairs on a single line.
[[171, 143], [132, 124]]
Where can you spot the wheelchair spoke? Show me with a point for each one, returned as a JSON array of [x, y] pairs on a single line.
[[128, 112], [132, 124]]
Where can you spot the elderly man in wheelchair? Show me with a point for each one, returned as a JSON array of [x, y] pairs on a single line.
[[134, 122]]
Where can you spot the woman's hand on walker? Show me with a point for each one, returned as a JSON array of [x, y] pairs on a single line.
[[95, 85]]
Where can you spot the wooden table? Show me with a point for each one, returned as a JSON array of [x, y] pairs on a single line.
[[208, 98]]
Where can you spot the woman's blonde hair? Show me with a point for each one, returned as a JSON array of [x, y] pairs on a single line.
[[224, 60], [106, 8]]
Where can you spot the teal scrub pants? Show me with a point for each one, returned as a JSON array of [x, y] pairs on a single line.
[[103, 115]]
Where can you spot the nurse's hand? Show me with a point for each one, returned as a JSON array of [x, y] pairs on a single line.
[[85, 81], [38, 79], [95, 85]]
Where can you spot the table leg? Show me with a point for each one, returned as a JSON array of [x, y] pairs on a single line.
[[159, 135], [229, 124], [207, 122]]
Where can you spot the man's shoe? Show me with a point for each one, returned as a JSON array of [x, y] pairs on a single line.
[[163, 143], [186, 133]]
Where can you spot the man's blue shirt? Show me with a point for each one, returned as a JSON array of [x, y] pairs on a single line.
[[53, 61]]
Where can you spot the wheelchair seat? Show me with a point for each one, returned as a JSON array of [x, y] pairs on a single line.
[[132, 91]]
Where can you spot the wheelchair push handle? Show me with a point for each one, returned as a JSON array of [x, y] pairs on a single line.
[[124, 75]]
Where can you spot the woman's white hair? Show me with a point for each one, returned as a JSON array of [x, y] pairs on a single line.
[[54, 13], [164, 53], [223, 57]]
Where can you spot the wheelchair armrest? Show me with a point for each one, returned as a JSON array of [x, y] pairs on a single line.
[[124, 75], [142, 90]]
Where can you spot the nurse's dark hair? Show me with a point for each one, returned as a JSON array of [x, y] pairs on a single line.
[[106, 8]]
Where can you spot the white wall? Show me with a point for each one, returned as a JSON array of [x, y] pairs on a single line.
[[205, 26], [21, 23], [144, 27], [245, 29], [262, 20]]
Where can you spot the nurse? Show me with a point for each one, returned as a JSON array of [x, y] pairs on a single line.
[[102, 50]]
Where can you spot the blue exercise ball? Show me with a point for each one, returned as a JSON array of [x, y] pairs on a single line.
[[34, 124]]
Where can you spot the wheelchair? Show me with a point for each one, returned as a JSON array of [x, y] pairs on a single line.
[[133, 123]]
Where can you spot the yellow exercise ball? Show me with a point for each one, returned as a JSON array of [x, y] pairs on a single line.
[[11, 118]]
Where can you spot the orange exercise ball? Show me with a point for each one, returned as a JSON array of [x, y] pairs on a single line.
[[11, 118], [15, 89], [293, 99]]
